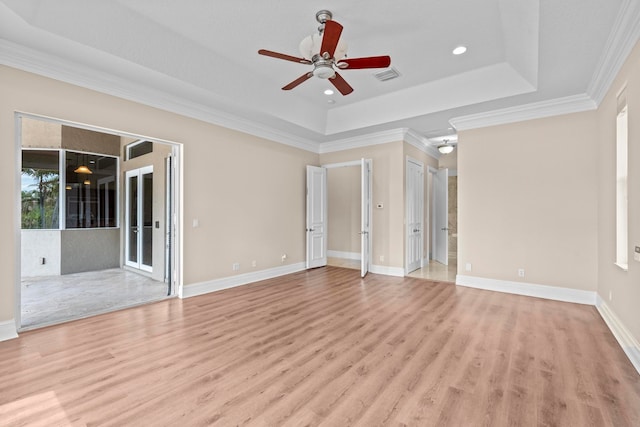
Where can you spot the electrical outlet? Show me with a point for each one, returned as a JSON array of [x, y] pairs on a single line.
[[521, 272], [381, 258], [467, 266], [236, 266], [284, 257], [254, 263]]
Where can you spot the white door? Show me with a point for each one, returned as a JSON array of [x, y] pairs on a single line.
[[316, 217], [441, 216], [139, 219], [415, 209], [365, 230]]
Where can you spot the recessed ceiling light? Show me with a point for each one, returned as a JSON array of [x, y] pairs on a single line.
[[459, 50], [328, 92], [331, 101]]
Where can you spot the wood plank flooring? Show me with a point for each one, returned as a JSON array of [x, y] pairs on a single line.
[[324, 347]]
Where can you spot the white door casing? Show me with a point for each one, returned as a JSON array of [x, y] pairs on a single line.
[[316, 230], [441, 216], [365, 230], [415, 214]]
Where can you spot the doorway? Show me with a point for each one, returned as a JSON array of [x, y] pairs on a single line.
[[139, 219], [339, 215], [442, 226], [99, 232]]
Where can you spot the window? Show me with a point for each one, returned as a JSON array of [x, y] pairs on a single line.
[[139, 148], [621, 183], [40, 188], [88, 198], [90, 190]]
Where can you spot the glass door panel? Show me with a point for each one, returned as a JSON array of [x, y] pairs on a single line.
[[139, 219]]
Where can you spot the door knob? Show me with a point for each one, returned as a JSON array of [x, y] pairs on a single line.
[[444, 229]]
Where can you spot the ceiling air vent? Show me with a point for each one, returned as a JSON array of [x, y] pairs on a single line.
[[388, 74]]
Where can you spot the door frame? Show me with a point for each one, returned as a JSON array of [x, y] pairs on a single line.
[[369, 251], [421, 203], [438, 208], [177, 152]]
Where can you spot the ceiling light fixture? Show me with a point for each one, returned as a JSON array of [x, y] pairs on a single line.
[[83, 169], [445, 148], [459, 50], [328, 92]]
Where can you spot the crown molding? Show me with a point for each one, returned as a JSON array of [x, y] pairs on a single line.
[[421, 143], [43, 64], [536, 110], [359, 141], [622, 39], [384, 137]]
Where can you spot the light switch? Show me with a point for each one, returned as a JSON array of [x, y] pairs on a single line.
[[196, 223]]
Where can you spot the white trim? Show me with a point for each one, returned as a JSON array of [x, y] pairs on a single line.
[[529, 289], [387, 271], [376, 138], [421, 143], [519, 113], [202, 288], [43, 64], [357, 163], [356, 256], [625, 338], [623, 37], [8, 330]]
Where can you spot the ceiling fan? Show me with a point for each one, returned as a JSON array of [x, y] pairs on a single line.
[[326, 52]]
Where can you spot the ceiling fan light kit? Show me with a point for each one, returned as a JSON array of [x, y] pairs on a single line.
[[326, 52]]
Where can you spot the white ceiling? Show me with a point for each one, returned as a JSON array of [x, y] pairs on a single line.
[[199, 58]]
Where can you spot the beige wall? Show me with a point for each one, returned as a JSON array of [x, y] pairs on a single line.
[[541, 195], [623, 286], [388, 180], [248, 193], [527, 199]]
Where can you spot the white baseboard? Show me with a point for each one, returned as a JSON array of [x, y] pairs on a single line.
[[387, 271], [529, 289], [629, 344], [8, 330], [344, 255], [239, 280]]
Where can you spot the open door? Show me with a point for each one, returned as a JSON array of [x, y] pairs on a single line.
[[414, 213], [365, 236], [441, 216], [316, 217]]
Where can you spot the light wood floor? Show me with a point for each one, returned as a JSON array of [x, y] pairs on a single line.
[[325, 347]]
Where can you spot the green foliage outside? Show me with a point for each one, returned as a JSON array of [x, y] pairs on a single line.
[[40, 204]]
